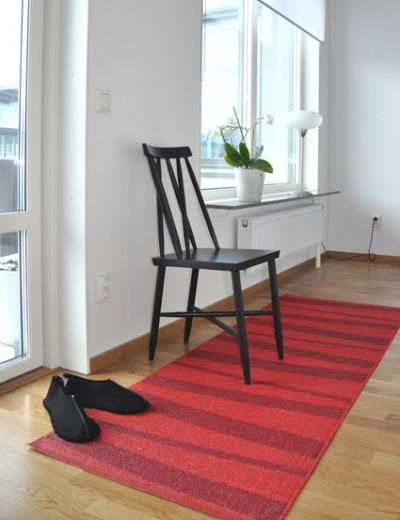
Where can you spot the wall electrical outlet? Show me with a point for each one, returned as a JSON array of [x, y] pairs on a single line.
[[102, 287], [377, 220]]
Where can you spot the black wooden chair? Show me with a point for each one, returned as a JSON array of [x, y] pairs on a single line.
[[191, 257]]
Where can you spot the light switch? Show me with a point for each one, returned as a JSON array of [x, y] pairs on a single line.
[[103, 101], [102, 287]]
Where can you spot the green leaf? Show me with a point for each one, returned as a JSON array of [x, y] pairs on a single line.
[[258, 153], [233, 154], [244, 152], [262, 165], [229, 161]]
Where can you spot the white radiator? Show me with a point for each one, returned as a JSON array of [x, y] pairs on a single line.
[[289, 231]]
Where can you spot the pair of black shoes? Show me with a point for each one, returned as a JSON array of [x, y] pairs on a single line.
[[69, 395]]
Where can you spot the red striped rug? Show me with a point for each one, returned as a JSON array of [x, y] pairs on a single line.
[[242, 452]]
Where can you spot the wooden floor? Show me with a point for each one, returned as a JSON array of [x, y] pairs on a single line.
[[358, 477]]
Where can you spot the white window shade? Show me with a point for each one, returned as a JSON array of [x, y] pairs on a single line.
[[309, 15]]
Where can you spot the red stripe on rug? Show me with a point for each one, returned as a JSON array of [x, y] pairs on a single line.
[[276, 374], [291, 389], [299, 357], [232, 396], [292, 366], [235, 451], [267, 342], [221, 416], [305, 316], [237, 473], [316, 353], [375, 335], [338, 335], [178, 429], [200, 374], [376, 312], [347, 346], [224, 453]]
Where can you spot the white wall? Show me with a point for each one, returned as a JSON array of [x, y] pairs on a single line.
[[148, 55], [365, 115]]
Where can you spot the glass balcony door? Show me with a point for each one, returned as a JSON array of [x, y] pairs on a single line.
[[20, 241]]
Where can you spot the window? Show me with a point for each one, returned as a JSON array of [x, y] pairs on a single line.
[[259, 63], [12, 194], [20, 267]]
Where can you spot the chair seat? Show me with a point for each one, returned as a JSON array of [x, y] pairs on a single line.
[[217, 259]]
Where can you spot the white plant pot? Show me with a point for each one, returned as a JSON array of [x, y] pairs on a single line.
[[249, 184]]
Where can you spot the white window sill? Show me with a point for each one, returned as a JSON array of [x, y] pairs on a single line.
[[228, 193], [268, 198]]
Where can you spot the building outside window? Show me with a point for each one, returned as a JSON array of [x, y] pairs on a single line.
[[260, 63]]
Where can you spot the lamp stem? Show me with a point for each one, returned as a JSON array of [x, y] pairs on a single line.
[[302, 134]]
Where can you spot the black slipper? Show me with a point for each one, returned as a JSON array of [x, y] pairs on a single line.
[[105, 395], [68, 419]]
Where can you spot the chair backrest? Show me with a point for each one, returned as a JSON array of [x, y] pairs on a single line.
[[156, 158]]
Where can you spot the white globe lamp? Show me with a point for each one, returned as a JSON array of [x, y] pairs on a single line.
[[303, 120]]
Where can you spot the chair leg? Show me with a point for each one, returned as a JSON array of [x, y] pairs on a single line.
[[241, 326], [190, 306], [156, 311], [273, 282]]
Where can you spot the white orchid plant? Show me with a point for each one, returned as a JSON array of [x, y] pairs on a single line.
[[242, 155]]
